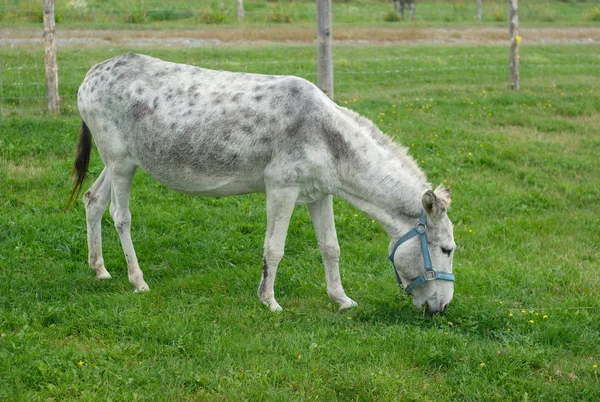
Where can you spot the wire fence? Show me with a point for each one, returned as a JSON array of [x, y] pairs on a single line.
[[389, 63], [140, 13]]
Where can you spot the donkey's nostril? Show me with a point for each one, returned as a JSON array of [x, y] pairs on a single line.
[[434, 308]]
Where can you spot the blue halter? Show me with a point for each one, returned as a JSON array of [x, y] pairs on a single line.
[[430, 274]]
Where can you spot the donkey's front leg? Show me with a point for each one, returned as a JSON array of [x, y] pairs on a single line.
[[280, 205], [321, 214]]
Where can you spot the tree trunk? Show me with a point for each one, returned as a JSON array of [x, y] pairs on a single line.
[[324, 52], [52, 99], [240, 10], [479, 10], [515, 39]]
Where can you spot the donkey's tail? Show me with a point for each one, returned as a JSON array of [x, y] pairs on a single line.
[[82, 160]]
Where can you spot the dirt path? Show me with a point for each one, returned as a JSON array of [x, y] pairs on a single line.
[[297, 35]]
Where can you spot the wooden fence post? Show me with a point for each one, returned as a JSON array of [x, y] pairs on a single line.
[[324, 52], [478, 12], [52, 99], [515, 39], [240, 10]]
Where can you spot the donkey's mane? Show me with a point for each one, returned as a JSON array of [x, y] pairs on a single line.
[[386, 142]]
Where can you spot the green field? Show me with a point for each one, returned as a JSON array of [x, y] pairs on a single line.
[[525, 320], [189, 14]]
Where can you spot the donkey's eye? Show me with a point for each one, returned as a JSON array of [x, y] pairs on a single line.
[[446, 251]]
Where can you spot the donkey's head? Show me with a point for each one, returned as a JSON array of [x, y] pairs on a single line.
[[423, 256]]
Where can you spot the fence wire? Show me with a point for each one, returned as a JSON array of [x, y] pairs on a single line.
[[180, 32], [139, 13]]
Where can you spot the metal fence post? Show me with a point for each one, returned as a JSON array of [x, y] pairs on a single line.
[[324, 52]]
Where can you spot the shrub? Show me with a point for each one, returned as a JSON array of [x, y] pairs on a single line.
[[391, 17], [593, 14], [135, 17], [279, 16], [498, 14], [213, 17], [548, 15], [167, 15]]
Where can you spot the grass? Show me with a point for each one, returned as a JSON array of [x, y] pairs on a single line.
[[524, 322], [185, 14]]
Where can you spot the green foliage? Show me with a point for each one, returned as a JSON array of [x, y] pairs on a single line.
[[392, 16], [187, 14], [548, 15], [213, 17], [280, 16], [593, 14], [168, 15], [497, 13], [524, 322], [136, 17]]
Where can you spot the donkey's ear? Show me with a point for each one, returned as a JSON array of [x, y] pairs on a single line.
[[429, 202], [444, 195], [436, 203]]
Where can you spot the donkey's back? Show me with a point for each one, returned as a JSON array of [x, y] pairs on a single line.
[[205, 132]]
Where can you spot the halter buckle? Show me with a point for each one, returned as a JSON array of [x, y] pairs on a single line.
[[430, 275], [421, 228]]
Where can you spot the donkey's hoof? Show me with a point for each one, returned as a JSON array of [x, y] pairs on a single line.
[[273, 306], [348, 304], [103, 275], [141, 289]]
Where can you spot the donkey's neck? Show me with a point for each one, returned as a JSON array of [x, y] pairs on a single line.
[[387, 196], [382, 180]]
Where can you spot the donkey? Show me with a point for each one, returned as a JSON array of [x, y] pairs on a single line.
[[216, 133], [400, 5]]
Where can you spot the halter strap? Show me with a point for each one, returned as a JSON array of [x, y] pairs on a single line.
[[420, 229]]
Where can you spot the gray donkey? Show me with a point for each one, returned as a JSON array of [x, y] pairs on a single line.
[[401, 5], [216, 133]]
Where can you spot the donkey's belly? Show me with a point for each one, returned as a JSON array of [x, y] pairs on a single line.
[[216, 187], [186, 179]]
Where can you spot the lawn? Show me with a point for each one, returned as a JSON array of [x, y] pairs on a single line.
[[188, 14], [525, 320]]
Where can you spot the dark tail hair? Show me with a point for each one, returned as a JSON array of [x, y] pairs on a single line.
[[82, 160]]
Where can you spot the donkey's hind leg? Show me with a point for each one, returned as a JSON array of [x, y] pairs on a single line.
[[321, 214], [121, 181], [280, 205], [96, 199]]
